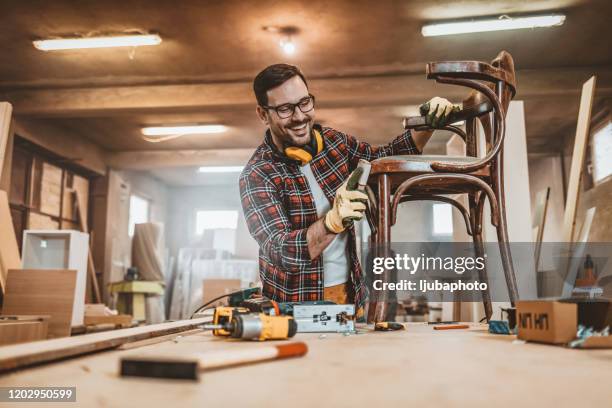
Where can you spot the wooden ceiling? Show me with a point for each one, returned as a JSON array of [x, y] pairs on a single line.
[[365, 61]]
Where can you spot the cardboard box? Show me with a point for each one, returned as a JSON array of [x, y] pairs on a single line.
[[217, 287], [547, 321]]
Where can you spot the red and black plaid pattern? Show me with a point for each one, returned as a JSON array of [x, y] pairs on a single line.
[[279, 207]]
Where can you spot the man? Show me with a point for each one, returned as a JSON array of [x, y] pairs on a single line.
[[295, 197]]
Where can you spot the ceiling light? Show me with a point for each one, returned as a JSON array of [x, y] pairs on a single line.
[[132, 40], [182, 130], [221, 169], [287, 46], [498, 24]]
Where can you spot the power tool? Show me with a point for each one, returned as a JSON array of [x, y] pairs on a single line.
[[240, 323]]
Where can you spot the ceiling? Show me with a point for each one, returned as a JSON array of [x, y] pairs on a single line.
[[365, 61]]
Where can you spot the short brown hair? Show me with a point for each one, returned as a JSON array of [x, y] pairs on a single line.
[[271, 77]]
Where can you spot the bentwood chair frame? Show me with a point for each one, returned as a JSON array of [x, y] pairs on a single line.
[[397, 179]]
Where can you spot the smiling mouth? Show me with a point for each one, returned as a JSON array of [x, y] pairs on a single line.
[[300, 127]]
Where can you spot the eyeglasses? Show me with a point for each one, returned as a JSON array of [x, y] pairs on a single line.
[[286, 110]]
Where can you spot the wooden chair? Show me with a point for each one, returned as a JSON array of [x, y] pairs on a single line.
[[396, 179]]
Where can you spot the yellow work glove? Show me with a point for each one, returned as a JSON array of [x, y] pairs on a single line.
[[437, 111], [349, 204]]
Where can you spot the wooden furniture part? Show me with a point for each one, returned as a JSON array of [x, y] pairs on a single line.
[[42, 292], [416, 367], [22, 329], [396, 179], [132, 295], [60, 249], [9, 252]]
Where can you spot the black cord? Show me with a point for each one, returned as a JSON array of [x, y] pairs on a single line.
[[213, 301]]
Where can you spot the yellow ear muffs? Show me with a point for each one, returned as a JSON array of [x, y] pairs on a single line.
[[305, 153]]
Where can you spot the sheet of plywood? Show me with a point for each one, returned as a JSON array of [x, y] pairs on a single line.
[[5, 123], [578, 155], [9, 252], [17, 356], [50, 189], [41, 222], [42, 292]]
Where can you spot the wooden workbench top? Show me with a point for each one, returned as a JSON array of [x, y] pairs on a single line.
[[416, 367]]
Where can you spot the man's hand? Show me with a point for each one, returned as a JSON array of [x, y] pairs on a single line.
[[349, 204], [437, 111]]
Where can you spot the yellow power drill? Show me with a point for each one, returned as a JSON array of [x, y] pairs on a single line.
[[240, 323]]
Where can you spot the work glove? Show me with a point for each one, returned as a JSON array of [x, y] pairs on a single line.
[[349, 204], [437, 111]]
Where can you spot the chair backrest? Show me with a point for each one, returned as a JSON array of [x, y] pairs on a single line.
[[503, 83], [493, 84]]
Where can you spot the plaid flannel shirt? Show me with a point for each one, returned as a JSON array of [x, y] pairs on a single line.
[[279, 207]]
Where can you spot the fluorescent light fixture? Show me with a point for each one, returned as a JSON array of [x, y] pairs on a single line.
[[182, 130], [499, 24], [132, 40], [221, 169]]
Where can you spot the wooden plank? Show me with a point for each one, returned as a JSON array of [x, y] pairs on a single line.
[[539, 221], [118, 320], [6, 171], [9, 251], [90, 265], [578, 155], [577, 253], [6, 110], [42, 292], [51, 189], [12, 357]]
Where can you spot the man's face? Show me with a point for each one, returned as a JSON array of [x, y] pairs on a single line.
[[296, 129]]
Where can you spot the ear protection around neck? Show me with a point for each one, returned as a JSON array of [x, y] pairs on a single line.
[[305, 153]]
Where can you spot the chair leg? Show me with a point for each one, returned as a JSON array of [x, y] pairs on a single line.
[[476, 215], [378, 310], [502, 231]]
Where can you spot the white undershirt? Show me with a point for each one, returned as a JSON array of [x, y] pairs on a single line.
[[335, 258]]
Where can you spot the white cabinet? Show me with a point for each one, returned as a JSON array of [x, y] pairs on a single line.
[[59, 249]]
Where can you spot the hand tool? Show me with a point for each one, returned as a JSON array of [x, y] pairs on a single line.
[[239, 323], [189, 367], [452, 327], [388, 326]]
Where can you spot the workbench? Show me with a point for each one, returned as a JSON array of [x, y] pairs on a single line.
[[415, 367]]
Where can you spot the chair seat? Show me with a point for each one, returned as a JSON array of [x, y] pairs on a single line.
[[418, 163], [402, 167]]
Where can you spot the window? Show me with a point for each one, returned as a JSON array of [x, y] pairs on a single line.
[[442, 219], [139, 212], [209, 220], [602, 151]]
